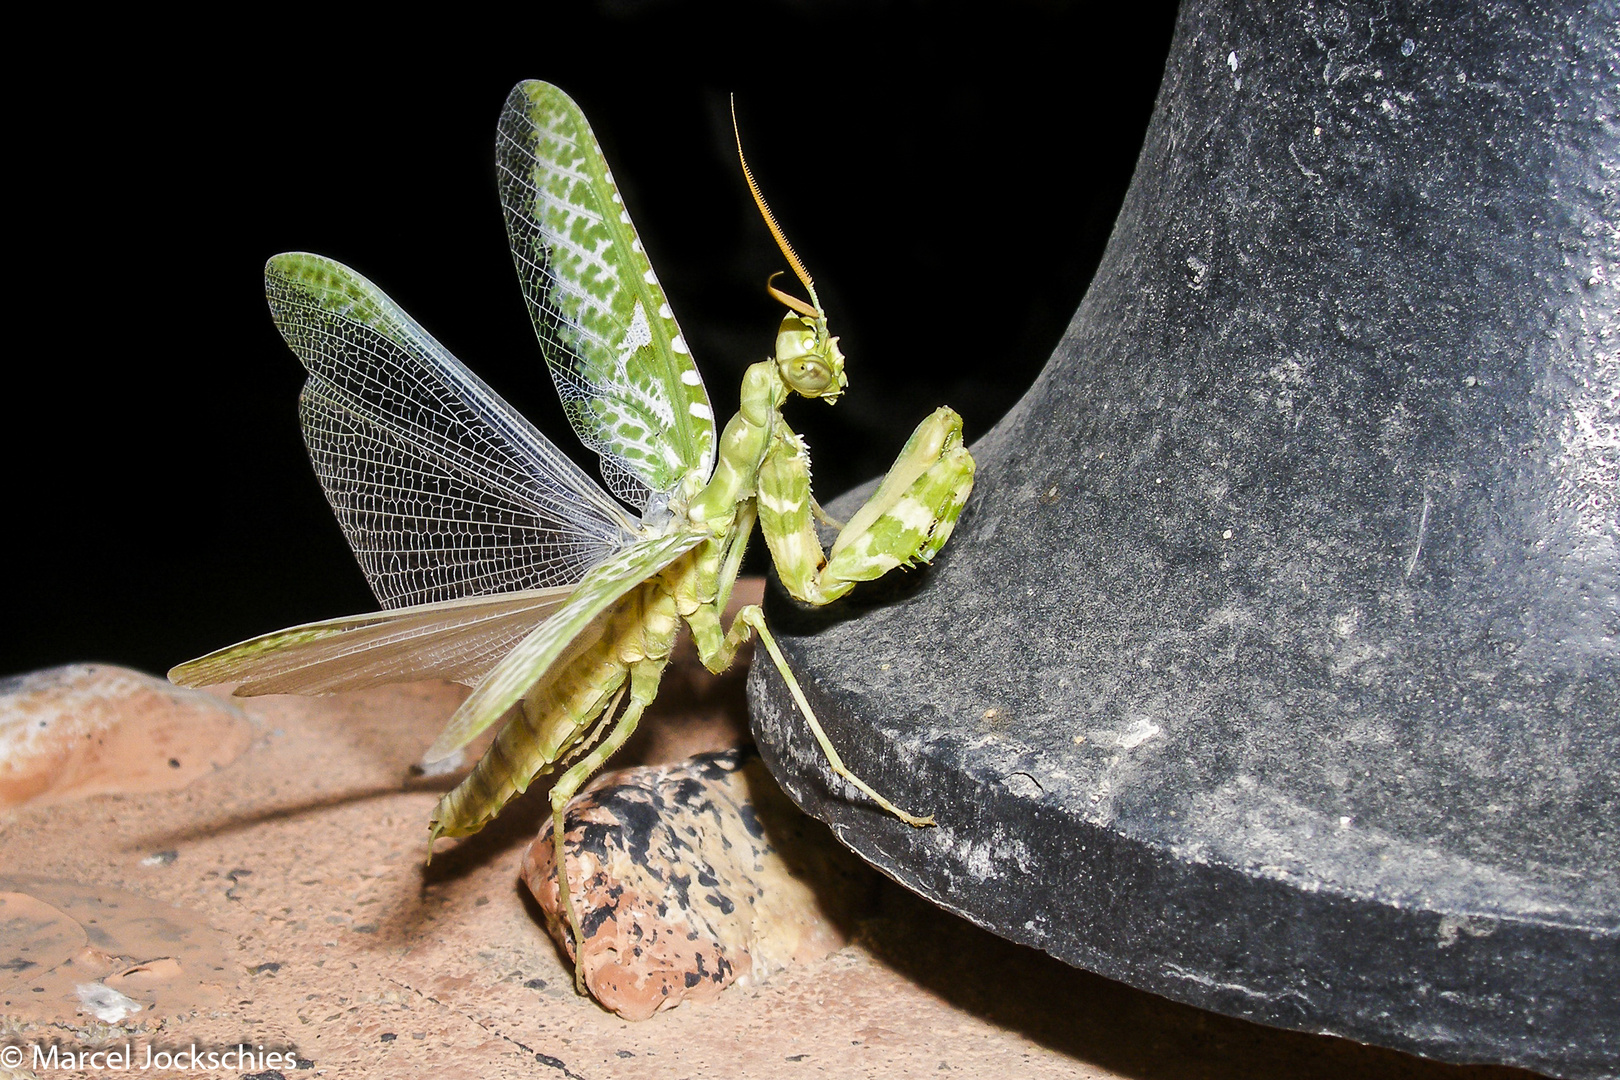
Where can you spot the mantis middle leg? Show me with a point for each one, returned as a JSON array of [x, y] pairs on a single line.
[[644, 677]]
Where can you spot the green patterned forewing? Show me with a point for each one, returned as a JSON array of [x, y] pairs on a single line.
[[621, 367]]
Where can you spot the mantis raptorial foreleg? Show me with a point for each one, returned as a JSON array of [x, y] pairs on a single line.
[[905, 521]]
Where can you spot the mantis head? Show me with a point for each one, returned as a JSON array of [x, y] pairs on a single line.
[[807, 356]]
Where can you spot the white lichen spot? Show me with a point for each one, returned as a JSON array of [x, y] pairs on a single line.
[[1023, 785], [1226, 535], [1408, 46], [1138, 733], [1232, 60], [977, 859], [1472, 926]]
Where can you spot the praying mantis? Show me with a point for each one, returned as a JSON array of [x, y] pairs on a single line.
[[500, 563]]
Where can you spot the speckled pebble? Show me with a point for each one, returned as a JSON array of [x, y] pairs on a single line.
[[693, 876]]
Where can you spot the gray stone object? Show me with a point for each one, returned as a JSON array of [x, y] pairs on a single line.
[[1275, 664]]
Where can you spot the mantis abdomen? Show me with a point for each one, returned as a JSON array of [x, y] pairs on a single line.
[[552, 726]]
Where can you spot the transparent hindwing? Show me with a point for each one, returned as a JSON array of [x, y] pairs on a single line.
[[458, 640], [442, 489]]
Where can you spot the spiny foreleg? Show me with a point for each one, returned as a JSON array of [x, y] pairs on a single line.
[[905, 522]]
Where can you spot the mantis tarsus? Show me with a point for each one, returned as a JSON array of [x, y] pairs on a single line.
[[503, 565]]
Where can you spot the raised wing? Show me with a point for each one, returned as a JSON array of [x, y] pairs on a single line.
[[458, 640], [442, 488], [572, 629], [620, 364]]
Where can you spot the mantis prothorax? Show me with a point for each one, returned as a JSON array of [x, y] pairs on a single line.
[[500, 563]]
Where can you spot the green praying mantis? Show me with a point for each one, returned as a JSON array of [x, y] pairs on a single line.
[[500, 563]]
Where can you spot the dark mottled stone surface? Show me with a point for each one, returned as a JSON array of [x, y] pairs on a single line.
[[1275, 665], [690, 876]]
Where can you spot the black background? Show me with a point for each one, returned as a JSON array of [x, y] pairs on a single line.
[[949, 173]]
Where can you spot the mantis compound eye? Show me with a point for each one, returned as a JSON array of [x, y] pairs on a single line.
[[809, 377], [810, 362], [795, 339]]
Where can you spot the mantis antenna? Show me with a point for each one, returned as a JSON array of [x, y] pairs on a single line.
[[813, 309]]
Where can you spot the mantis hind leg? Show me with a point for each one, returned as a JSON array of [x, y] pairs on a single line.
[[752, 616], [643, 688]]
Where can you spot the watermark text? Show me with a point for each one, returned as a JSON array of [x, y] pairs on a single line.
[[146, 1057]]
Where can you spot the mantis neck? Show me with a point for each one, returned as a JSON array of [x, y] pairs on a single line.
[[742, 446]]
